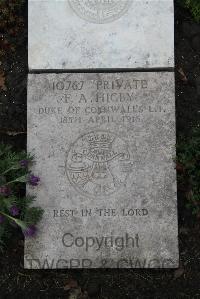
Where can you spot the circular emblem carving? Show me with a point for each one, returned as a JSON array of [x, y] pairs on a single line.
[[98, 163], [100, 11]]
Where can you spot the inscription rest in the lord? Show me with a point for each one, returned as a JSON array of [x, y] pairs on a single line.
[[111, 100]]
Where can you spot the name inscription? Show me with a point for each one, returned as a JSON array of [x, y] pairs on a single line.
[[111, 102]]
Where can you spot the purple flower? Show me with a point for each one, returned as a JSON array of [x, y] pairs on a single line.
[[2, 218], [24, 163], [5, 191], [33, 180], [14, 210], [30, 231]]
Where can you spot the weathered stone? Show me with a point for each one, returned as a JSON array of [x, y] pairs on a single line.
[[104, 146], [82, 34]]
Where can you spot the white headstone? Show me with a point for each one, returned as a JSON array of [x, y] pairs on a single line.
[[104, 146], [101, 34]]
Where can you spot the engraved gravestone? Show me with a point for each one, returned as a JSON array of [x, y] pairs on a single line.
[[82, 34], [104, 146]]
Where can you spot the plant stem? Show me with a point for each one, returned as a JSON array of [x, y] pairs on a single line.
[[21, 179], [9, 169], [17, 221]]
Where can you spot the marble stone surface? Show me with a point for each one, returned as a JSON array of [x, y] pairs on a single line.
[[98, 34], [104, 146]]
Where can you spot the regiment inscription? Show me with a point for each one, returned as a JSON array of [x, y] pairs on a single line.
[[104, 146]]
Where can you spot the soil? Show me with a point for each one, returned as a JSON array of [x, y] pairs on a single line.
[[105, 284]]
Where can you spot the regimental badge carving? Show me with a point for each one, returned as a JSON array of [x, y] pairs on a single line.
[[100, 11], [98, 164]]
